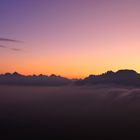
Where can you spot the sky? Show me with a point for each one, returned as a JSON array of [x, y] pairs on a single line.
[[71, 38]]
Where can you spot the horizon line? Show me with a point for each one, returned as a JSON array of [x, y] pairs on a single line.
[[68, 77]]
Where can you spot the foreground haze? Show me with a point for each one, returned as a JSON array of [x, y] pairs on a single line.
[[100, 111]]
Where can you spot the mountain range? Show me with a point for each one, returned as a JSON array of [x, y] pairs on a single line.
[[38, 80], [121, 77]]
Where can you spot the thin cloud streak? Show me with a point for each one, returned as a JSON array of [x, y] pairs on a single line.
[[3, 46], [10, 40], [16, 49], [9, 48]]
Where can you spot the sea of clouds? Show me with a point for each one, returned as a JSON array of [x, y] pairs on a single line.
[[69, 109]]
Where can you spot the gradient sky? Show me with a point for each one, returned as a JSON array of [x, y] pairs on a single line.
[[72, 38]]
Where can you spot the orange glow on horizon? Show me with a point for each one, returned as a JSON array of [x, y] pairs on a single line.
[[70, 39]]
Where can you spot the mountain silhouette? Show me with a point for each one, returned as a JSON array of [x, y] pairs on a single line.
[[121, 77], [40, 80]]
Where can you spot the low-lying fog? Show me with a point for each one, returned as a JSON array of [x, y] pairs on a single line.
[[69, 109]]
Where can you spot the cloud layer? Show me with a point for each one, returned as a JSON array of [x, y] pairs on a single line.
[[100, 110], [12, 41], [9, 40]]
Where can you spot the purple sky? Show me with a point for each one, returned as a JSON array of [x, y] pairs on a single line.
[[72, 38]]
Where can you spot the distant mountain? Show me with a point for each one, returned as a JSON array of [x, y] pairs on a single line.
[[121, 77], [40, 80]]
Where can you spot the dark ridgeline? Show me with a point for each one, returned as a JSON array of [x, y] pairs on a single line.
[[121, 77], [40, 80], [70, 112]]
